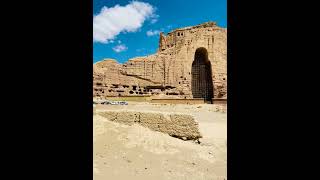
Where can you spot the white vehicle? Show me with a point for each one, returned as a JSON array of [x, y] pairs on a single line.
[[123, 103], [113, 103]]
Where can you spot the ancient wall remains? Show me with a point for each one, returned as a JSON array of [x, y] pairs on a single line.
[[177, 125]]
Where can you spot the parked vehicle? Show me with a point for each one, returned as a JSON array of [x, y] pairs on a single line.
[[108, 102], [123, 103]]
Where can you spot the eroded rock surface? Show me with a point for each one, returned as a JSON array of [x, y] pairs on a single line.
[[172, 71], [182, 126]]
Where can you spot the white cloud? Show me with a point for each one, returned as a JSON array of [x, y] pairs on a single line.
[[110, 22], [153, 21], [153, 32], [154, 18], [120, 48]]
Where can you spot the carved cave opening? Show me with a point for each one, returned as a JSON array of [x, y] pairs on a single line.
[[201, 84]]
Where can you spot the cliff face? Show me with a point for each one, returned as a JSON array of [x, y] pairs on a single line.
[[187, 59]]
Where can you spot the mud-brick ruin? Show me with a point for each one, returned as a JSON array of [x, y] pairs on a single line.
[[191, 62]]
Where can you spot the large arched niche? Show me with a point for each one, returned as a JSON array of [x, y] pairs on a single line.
[[201, 75]]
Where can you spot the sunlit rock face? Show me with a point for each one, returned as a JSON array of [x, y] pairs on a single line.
[[191, 62]]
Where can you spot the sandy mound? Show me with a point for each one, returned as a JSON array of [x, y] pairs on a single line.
[[135, 152]]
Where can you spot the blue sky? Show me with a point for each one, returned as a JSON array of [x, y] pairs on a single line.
[[125, 29]]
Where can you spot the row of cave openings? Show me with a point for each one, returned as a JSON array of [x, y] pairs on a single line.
[[178, 34], [139, 90], [135, 89], [201, 79]]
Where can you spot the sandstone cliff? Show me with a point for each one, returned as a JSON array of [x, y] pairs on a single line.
[[187, 60]]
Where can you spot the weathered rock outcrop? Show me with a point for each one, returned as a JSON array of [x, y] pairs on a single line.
[[187, 59]]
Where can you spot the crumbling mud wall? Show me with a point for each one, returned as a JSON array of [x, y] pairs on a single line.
[[168, 72], [182, 126]]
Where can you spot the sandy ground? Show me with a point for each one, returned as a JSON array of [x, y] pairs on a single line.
[[124, 152]]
